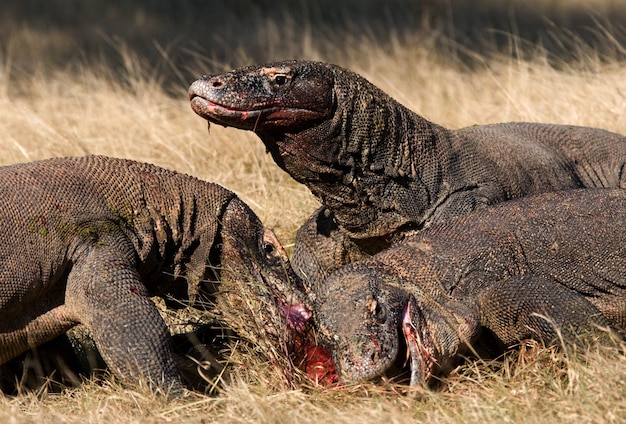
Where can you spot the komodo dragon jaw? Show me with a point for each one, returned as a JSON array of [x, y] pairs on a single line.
[[369, 321], [263, 97], [419, 356], [359, 321], [264, 274], [434, 333]]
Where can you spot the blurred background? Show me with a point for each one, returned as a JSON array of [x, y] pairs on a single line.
[[175, 40]]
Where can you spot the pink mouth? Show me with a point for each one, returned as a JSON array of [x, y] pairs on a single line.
[[273, 115], [297, 316], [420, 359], [213, 111], [313, 359]]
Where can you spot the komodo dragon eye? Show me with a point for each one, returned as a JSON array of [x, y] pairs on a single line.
[[271, 253], [271, 247], [280, 79], [268, 248]]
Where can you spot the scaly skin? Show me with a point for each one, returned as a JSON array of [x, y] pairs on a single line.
[[89, 240], [382, 171], [541, 267]]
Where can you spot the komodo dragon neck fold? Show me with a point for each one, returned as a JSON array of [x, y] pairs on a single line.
[[352, 147]]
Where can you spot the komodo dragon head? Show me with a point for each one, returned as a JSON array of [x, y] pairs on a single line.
[[291, 106], [373, 326], [330, 129], [250, 252], [257, 279], [281, 97]]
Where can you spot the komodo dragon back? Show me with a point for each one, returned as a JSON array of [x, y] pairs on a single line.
[[548, 267], [380, 170], [89, 240]]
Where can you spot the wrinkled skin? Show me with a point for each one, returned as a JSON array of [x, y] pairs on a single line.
[[390, 324], [89, 241], [381, 171], [547, 267]]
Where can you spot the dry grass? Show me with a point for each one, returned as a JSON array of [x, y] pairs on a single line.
[[542, 387], [127, 111]]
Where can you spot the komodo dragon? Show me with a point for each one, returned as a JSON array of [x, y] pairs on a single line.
[[382, 171], [87, 240], [524, 269]]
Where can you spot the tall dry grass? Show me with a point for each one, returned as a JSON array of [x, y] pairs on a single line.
[[127, 110]]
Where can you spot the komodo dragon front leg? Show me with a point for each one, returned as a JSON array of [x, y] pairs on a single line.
[[105, 293], [35, 332]]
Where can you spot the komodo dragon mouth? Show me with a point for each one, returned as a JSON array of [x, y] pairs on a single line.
[[219, 114], [248, 119], [421, 362], [308, 355], [312, 358]]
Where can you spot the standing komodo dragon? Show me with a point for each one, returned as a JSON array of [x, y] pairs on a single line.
[[524, 269], [382, 171], [88, 240]]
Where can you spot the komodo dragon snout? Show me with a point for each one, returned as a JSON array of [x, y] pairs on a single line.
[[374, 327], [262, 98]]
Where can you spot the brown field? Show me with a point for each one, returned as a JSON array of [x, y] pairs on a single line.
[[98, 79]]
